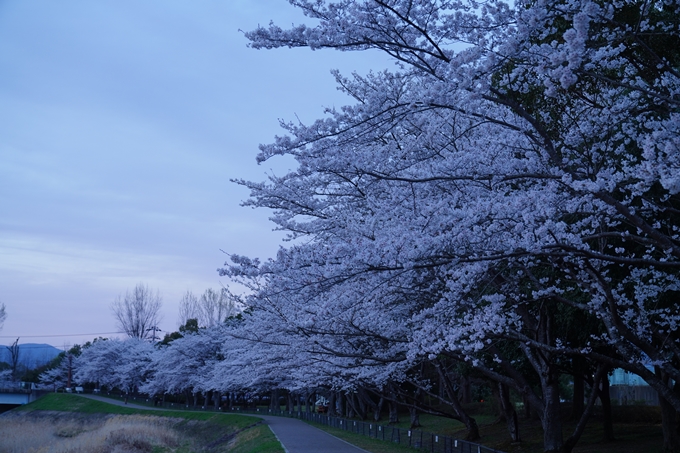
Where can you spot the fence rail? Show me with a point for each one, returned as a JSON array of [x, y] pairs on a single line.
[[15, 390], [413, 438]]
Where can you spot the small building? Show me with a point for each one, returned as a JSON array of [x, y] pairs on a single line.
[[626, 388]]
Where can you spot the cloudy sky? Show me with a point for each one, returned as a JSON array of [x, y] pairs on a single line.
[[121, 125]]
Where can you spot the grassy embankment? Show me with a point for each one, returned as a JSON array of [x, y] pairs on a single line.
[[59, 423]]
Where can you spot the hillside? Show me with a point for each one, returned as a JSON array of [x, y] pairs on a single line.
[[31, 355]]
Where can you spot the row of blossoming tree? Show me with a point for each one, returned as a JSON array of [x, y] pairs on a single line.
[[504, 203]]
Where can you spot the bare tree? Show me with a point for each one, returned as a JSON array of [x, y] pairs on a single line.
[[212, 308], [3, 314], [188, 308], [14, 357], [215, 307], [138, 313]]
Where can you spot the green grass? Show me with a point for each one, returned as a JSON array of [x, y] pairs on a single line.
[[442, 425], [259, 439], [73, 403], [63, 402], [636, 428]]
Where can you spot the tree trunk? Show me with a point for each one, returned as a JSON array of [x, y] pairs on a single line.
[[571, 441], [414, 415], [551, 417], [527, 408], [578, 398], [289, 402], [331, 404], [351, 405], [361, 405], [274, 402], [509, 412], [465, 390], [308, 404], [607, 421], [377, 409], [442, 390], [669, 426], [393, 406], [497, 404], [394, 412], [470, 423], [340, 405]]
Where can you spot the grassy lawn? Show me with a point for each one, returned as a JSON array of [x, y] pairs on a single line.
[[85, 418], [636, 428], [73, 403]]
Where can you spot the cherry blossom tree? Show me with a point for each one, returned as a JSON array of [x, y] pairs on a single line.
[[516, 175], [115, 363], [483, 189], [6, 378], [57, 377], [183, 365]]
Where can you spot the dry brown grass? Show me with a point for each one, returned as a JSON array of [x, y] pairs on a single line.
[[71, 433]]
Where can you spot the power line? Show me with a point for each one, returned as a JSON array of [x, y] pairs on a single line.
[[33, 348], [59, 335]]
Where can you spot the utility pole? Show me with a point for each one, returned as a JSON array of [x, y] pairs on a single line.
[[153, 329], [70, 370]]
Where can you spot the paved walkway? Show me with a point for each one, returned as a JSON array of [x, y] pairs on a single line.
[[295, 435]]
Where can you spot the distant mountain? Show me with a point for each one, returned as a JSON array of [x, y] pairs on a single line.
[[31, 355]]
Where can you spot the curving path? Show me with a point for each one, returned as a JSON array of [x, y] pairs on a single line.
[[295, 435]]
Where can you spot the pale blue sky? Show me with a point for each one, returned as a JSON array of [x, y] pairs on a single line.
[[121, 123]]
